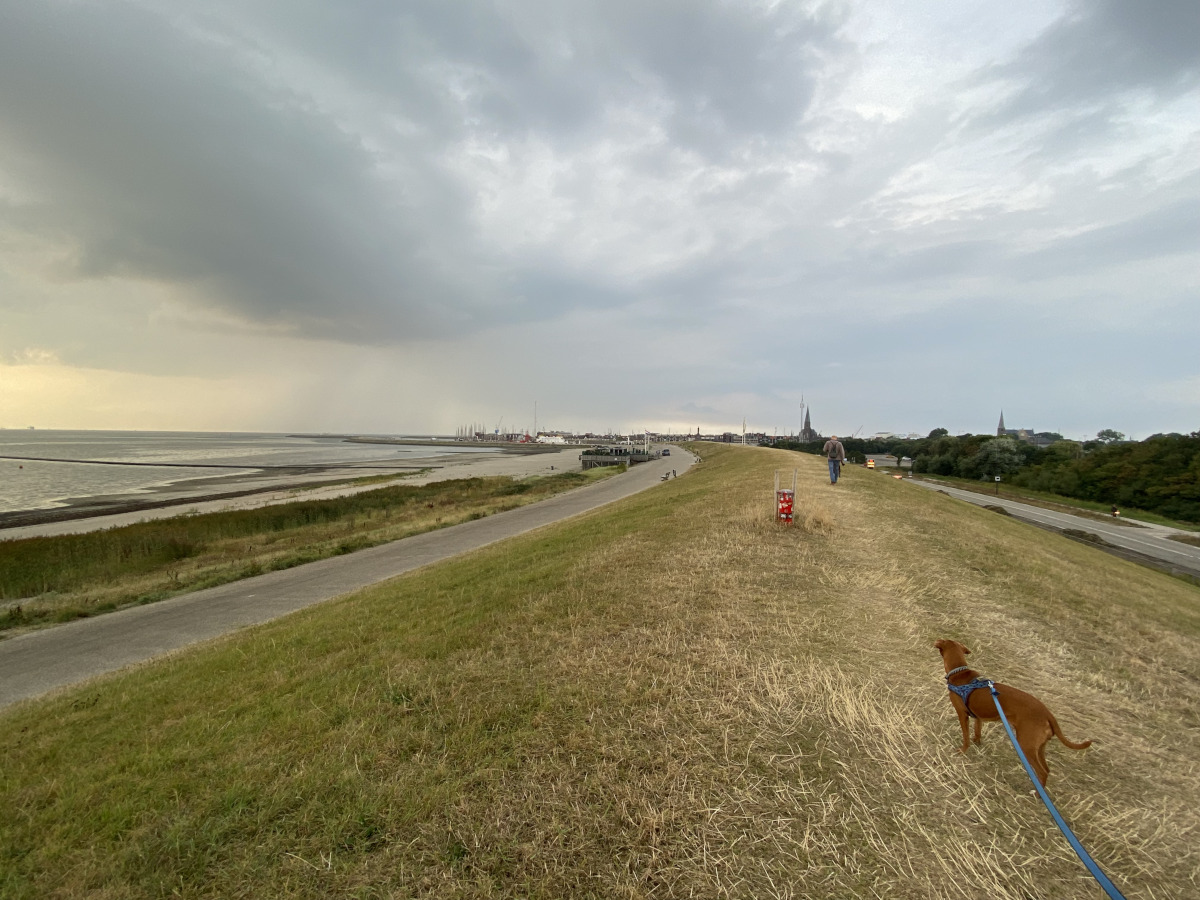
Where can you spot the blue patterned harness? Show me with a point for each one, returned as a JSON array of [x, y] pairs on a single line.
[[964, 691]]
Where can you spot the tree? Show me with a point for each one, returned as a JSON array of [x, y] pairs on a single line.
[[1109, 436], [938, 432], [1063, 451], [998, 457]]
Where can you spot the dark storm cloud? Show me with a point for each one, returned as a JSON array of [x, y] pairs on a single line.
[[176, 150], [157, 158]]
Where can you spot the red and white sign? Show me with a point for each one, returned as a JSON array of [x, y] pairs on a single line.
[[784, 502]]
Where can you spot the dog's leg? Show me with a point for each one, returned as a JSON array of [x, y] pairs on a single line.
[[1033, 742], [1033, 754], [978, 728], [966, 728], [1045, 767]]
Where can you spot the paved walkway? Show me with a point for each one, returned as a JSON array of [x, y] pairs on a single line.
[[35, 663], [1144, 538]]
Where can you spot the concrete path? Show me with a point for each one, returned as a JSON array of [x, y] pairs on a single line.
[[35, 663], [1145, 539]]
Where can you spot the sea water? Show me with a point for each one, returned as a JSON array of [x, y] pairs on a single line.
[[35, 484]]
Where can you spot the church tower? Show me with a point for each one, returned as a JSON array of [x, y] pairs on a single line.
[[1000, 428], [807, 433]]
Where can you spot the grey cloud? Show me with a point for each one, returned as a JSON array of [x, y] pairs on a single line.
[[728, 70], [1103, 48], [161, 158], [945, 260], [700, 409], [1172, 229], [159, 148]]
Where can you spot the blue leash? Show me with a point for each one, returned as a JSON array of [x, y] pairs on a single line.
[[1085, 858]]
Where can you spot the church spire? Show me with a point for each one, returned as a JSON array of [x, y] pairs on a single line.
[[1000, 428]]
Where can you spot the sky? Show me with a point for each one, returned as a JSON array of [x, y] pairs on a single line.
[[377, 216]]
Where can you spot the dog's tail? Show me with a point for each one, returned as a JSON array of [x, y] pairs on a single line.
[[1082, 745]]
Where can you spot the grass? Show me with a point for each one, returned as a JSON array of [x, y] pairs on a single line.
[[1089, 509], [668, 697], [57, 579], [384, 479]]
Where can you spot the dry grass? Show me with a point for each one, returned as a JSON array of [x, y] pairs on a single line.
[[670, 698]]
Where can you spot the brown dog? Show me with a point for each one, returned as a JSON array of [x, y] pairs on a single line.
[[1030, 720]]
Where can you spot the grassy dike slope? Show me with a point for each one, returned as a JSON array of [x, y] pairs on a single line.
[[669, 697]]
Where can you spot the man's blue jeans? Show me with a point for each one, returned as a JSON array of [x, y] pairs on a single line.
[[835, 469]]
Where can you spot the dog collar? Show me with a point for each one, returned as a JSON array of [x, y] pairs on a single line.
[[957, 670]]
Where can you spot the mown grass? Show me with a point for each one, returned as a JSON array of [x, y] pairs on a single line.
[[1089, 508], [668, 697], [57, 579]]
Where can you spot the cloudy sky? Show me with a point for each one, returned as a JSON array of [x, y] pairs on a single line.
[[395, 217]]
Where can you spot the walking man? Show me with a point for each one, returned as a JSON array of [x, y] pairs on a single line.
[[836, 454]]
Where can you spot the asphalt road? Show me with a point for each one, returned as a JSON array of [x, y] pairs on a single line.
[[1147, 540], [41, 661]]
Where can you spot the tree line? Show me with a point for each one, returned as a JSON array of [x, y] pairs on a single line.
[[1160, 474]]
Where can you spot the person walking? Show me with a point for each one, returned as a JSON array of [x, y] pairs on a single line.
[[836, 454]]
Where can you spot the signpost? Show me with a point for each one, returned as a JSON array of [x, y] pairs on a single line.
[[997, 485]]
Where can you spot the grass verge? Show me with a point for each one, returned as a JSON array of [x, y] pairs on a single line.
[[56, 579], [668, 697], [1086, 508]]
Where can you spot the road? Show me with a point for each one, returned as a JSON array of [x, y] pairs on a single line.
[[1147, 540], [41, 661]]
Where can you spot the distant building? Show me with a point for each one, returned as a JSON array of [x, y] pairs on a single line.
[[1027, 435], [807, 433]]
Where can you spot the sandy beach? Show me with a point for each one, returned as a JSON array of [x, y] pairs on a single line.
[[267, 488]]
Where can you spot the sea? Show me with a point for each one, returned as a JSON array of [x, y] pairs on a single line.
[[57, 466]]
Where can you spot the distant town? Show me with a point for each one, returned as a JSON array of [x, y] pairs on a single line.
[[806, 434]]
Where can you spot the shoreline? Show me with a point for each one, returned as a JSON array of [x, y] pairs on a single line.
[[116, 504], [268, 487]]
